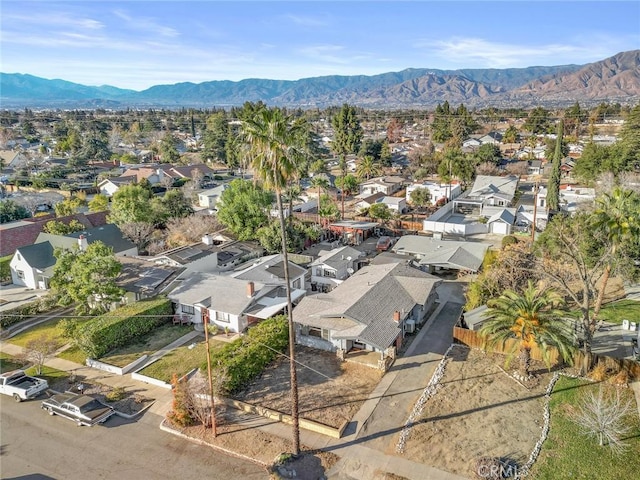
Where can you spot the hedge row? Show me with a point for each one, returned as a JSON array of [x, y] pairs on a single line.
[[23, 312], [119, 327], [246, 357]]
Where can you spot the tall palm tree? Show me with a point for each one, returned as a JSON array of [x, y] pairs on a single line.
[[533, 318], [368, 167], [618, 215], [277, 146], [322, 184]]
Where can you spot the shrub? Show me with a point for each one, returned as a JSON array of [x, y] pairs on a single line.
[[245, 358], [18, 314], [509, 240], [119, 327], [5, 270], [115, 395]]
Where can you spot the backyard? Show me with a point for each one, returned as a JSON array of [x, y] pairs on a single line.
[[480, 411]]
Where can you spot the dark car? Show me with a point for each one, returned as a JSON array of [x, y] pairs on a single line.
[[82, 409]]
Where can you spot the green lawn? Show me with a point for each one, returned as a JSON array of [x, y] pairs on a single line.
[[180, 361], [146, 345], [49, 328], [8, 363], [50, 374], [622, 309], [567, 454], [73, 354]]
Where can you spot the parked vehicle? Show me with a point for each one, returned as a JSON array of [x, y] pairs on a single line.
[[82, 409], [383, 244], [22, 387]]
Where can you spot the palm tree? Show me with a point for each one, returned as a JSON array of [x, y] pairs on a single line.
[[617, 214], [322, 184], [277, 146], [368, 167], [533, 318]]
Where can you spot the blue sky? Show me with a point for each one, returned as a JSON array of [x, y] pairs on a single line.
[[137, 44]]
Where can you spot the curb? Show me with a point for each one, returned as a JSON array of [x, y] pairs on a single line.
[[172, 431]]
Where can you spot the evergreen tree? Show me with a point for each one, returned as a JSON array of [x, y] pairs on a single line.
[[553, 191]]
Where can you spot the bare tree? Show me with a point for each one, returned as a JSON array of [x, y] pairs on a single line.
[[186, 230], [604, 415], [138, 232], [39, 350], [487, 168]]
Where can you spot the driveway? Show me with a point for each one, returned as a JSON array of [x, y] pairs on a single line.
[[412, 373]]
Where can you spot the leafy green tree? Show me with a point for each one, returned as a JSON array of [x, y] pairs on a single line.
[[131, 203], [99, 203], [618, 215], [533, 318], [318, 166], [420, 197], [68, 206], [511, 135], [371, 147], [173, 204], [368, 168], [167, 149], [243, 208], [328, 210], [270, 237], [87, 278], [278, 145], [215, 138], [380, 211], [553, 187], [538, 122], [488, 152], [60, 228], [348, 131], [628, 158], [10, 211]]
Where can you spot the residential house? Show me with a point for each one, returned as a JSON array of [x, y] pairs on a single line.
[[228, 302], [270, 271], [395, 204], [209, 198], [471, 144], [493, 138], [109, 186], [438, 191], [370, 311], [534, 167], [32, 265], [331, 268], [25, 232], [189, 171], [493, 191], [367, 200], [12, 159], [140, 279], [387, 185], [434, 255]]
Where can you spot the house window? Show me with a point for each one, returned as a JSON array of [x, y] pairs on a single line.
[[18, 256], [322, 333], [188, 309], [223, 317], [20, 274], [330, 273], [296, 284]]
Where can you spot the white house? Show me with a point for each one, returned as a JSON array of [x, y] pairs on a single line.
[[395, 204], [333, 267], [209, 198], [387, 185], [438, 191]]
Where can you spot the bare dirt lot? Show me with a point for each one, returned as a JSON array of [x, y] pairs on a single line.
[[330, 391], [478, 411]]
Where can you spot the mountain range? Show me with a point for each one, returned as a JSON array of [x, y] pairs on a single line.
[[615, 79]]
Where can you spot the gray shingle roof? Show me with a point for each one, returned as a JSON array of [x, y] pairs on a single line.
[[446, 253], [38, 255], [369, 298]]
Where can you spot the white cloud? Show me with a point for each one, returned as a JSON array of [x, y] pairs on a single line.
[[307, 21], [51, 19], [146, 24]]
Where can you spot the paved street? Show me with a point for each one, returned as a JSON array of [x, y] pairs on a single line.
[[37, 446]]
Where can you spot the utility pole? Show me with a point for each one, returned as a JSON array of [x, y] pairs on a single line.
[[205, 319], [536, 188]]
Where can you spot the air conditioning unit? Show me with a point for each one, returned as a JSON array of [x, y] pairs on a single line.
[[410, 326]]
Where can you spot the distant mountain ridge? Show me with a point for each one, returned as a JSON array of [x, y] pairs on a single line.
[[613, 79]]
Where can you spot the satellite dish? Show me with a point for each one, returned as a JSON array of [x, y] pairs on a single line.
[[348, 259], [350, 271]]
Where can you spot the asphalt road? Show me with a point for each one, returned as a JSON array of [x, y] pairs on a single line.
[[34, 445]]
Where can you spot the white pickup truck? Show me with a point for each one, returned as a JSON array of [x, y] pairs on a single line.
[[22, 387]]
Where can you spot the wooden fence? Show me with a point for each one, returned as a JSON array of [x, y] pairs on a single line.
[[580, 360]]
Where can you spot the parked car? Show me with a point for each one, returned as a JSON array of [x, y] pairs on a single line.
[[82, 409], [383, 244], [21, 386]]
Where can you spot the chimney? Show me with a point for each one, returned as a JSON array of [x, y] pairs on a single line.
[[396, 316], [207, 240], [251, 289], [82, 242]]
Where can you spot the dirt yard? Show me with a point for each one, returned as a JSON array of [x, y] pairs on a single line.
[[330, 391], [478, 411]]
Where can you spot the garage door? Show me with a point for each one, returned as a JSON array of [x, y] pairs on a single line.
[[500, 228]]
